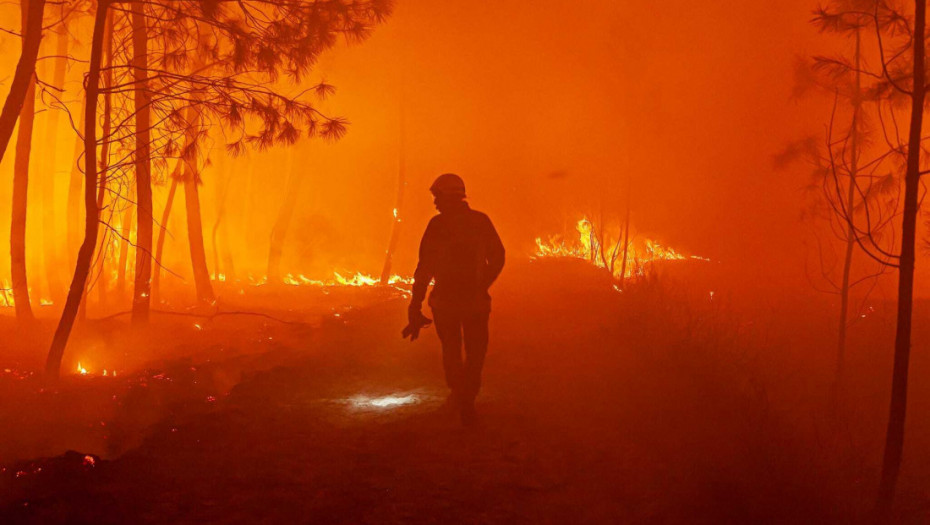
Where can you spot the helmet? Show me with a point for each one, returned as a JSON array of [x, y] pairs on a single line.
[[448, 184]]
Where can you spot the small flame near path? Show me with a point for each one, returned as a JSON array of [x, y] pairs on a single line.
[[83, 371]]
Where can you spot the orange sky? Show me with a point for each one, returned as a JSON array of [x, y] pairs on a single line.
[[548, 111], [690, 101]]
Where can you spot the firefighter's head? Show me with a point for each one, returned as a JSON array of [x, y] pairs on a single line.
[[448, 190]]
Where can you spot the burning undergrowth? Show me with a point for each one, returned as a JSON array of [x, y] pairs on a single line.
[[622, 254]]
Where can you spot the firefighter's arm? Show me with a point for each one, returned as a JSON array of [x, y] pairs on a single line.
[[423, 275], [495, 254], [421, 279]]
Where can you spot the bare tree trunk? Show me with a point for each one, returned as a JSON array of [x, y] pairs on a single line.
[[216, 224], [24, 76], [103, 280], [850, 230], [102, 233], [18, 222], [219, 198], [86, 253], [125, 232], [283, 222], [229, 268], [591, 244], [399, 203], [626, 233], [195, 237], [601, 238], [141, 299], [894, 439], [159, 247], [614, 253], [20, 192], [222, 190], [247, 217], [74, 197], [51, 253]]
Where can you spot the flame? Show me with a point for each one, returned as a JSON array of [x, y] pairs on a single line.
[[8, 301], [607, 253], [359, 279], [356, 279], [6, 295], [81, 370]]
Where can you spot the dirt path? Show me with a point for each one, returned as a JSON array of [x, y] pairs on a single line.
[[297, 443], [596, 408]]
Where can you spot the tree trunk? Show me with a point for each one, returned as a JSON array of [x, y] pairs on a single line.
[[398, 206], [159, 247], [229, 268], [283, 222], [20, 192], [103, 280], [102, 238], [894, 439], [91, 215], [141, 299], [102, 232], [74, 197], [125, 232], [247, 217], [850, 230], [626, 233], [51, 253], [195, 237], [222, 190], [25, 70]]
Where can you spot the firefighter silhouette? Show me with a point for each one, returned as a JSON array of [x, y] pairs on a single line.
[[463, 255]]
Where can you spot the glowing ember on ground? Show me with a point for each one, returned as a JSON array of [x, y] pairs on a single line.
[[384, 402]]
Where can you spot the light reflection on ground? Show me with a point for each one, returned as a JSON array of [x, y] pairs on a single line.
[[383, 402]]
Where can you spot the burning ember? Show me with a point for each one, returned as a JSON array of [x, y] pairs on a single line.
[[623, 258], [81, 370]]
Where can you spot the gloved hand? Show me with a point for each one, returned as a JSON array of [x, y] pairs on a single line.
[[415, 322]]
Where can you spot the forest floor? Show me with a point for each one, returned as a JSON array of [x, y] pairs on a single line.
[[650, 405]]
